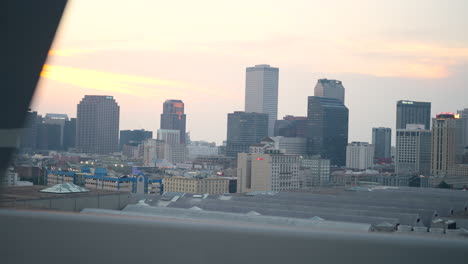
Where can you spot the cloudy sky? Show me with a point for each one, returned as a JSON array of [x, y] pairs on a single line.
[[144, 51]]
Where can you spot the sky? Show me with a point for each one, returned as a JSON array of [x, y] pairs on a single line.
[[143, 52]]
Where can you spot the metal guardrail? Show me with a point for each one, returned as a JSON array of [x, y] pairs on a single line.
[[56, 237]]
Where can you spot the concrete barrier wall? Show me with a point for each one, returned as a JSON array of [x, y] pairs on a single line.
[[112, 201]]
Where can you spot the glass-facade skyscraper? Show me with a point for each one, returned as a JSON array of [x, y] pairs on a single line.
[[173, 117], [327, 129], [411, 112], [382, 141], [261, 92], [245, 129], [97, 124], [291, 126]]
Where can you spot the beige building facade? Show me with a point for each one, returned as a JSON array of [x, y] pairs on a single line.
[[196, 186], [269, 171], [443, 144]]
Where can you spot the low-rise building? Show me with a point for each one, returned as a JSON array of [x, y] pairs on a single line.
[[214, 185], [314, 171]]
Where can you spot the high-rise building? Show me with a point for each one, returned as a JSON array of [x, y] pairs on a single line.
[[174, 118], [290, 145], [261, 92], [382, 141], [48, 136], [327, 129], [69, 134], [245, 129], [359, 155], [269, 171], [57, 119], [97, 124], [462, 136], [28, 138], [330, 89], [170, 136], [411, 112], [443, 143], [291, 126], [136, 136], [413, 150]]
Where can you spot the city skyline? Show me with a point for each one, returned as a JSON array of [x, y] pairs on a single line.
[[418, 56]]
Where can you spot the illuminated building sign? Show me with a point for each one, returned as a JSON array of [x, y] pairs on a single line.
[[406, 102], [259, 158]]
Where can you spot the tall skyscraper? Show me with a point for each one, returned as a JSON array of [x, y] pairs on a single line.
[[173, 117], [48, 136], [359, 155], [443, 143], [261, 92], [170, 136], [57, 119], [413, 151], [69, 134], [411, 112], [382, 141], [291, 126], [327, 129], [330, 89], [245, 129], [28, 138], [136, 136], [97, 124], [462, 136]]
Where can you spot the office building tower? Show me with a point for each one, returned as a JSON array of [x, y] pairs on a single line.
[[48, 136], [28, 137], [173, 118], [462, 136], [411, 112], [382, 141], [245, 129], [327, 129], [135, 136], [171, 137], [261, 92], [413, 151], [290, 145], [443, 143], [97, 124], [269, 171], [330, 89], [57, 119], [359, 155], [291, 126], [69, 134]]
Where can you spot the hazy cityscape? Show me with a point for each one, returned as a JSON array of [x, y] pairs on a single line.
[[262, 154], [282, 137]]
